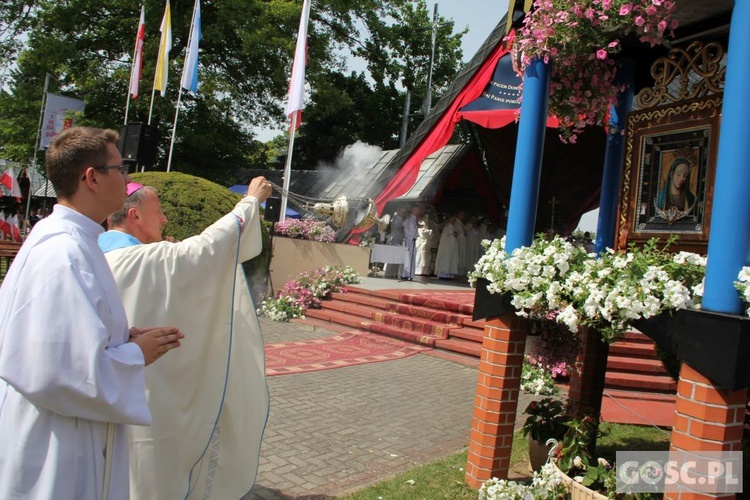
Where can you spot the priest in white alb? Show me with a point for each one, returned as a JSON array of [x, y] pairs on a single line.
[[209, 405], [71, 374]]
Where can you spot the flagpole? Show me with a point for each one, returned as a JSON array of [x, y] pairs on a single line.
[[182, 84], [36, 147], [288, 166], [174, 129], [151, 109]]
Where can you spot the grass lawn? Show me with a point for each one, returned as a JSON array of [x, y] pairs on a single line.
[[445, 478]]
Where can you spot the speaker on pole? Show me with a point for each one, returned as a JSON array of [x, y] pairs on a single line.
[[273, 210], [139, 143]]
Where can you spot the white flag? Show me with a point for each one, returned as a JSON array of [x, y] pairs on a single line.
[[297, 83]]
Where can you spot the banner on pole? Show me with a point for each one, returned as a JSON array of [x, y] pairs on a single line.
[[54, 120]]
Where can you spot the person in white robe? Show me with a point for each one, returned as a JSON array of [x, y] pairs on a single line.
[[423, 248], [446, 262], [393, 270], [410, 241], [473, 243], [71, 375], [209, 405], [460, 229]]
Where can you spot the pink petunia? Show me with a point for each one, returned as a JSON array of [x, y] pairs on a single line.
[[613, 44], [639, 21], [625, 9]]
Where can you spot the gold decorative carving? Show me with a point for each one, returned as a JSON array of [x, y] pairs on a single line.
[[672, 75]]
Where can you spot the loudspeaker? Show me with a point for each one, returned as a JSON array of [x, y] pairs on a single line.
[[139, 143], [273, 210]]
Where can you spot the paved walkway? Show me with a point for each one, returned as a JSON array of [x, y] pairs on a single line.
[[335, 431]]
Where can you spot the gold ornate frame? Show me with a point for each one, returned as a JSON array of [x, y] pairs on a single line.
[[660, 138]]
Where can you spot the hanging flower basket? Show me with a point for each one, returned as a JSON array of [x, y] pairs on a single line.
[[581, 38], [577, 490]]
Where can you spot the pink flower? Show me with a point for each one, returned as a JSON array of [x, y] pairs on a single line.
[[590, 14], [639, 21], [662, 25], [651, 10], [613, 44], [625, 9]]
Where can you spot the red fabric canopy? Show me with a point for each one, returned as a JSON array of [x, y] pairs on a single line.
[[441, 132]]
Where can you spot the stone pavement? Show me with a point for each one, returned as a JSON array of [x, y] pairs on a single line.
[[335, 431]]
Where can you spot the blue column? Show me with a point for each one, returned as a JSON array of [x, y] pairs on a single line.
[[608, 200], [527, 169], [729, 241]]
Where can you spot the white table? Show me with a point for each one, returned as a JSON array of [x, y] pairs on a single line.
[[388, 254]]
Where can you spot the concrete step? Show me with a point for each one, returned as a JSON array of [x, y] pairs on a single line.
[[420, 333], [635, 365], [461, 346], [632, 349], [471, 334], [656, 383]]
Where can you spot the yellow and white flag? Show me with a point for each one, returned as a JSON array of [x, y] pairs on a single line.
[[165, 45]]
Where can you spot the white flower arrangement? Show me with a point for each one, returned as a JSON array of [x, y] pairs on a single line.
[[545, 484], [537, 380], [605, 292], [743, 285]]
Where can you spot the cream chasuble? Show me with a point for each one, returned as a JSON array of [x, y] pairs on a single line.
[[209, 400]]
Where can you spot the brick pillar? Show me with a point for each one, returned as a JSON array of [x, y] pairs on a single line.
[[707, 419], [587, 380], [496, 399]]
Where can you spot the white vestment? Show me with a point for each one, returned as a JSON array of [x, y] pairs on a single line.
[[66, 366], [201, 438], [446, 261], [461, 245], [422, 261]]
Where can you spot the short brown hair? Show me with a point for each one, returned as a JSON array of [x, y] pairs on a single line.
[[71, 152]]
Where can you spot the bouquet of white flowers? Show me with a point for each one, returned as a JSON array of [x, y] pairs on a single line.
[[605, 292]]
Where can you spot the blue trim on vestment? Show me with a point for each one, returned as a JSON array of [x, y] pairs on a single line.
[[112, 240]]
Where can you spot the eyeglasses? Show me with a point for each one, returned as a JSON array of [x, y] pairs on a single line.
[[122, 168]]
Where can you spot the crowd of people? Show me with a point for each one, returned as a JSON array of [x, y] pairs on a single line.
[[443, 245]]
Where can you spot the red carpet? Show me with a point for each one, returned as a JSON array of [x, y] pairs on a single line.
[[344, 349]]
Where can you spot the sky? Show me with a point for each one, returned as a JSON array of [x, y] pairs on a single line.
[[481, 17]]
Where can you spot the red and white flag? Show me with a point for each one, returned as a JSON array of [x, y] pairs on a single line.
[[135, 71], [4, 227], [15, 230], [297, 83], [8, 179]]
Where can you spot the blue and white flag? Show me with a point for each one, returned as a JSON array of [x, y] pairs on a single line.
[[190, 71]]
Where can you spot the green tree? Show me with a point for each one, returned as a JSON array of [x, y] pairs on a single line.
[[246, 54]]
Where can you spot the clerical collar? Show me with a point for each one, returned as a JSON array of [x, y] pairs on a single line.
[[112, 240]]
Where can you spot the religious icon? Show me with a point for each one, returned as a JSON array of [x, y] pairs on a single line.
[[670, 162]]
